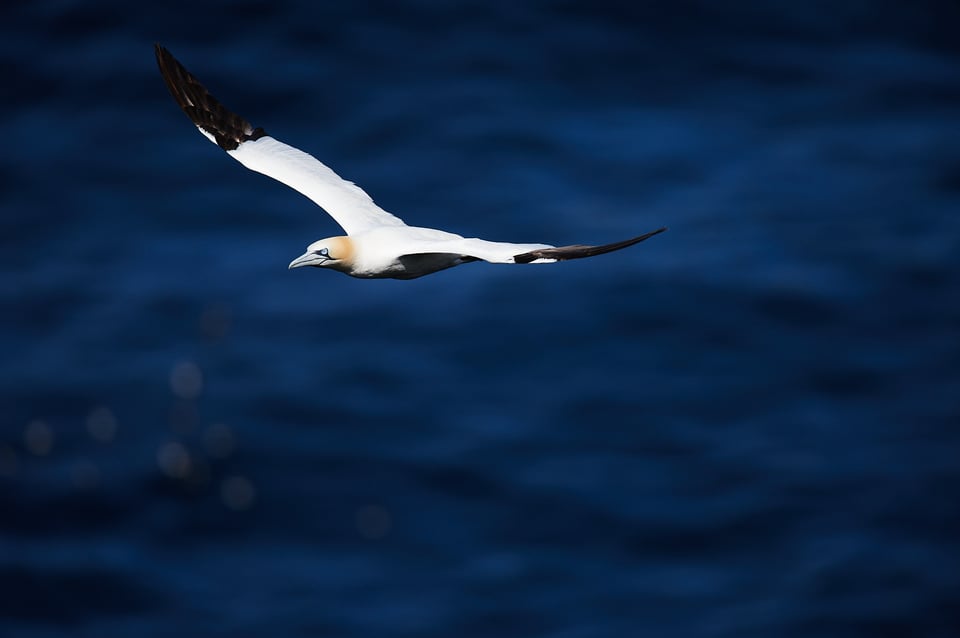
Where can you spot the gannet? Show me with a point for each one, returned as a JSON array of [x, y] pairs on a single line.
[[377, 244]]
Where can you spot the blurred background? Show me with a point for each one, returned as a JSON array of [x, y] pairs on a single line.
[[747, 426]]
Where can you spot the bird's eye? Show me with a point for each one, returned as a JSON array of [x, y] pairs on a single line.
[[324, 252]]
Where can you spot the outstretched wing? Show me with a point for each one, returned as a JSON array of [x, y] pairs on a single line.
[[344, 201], [563, 253], [507, 253]]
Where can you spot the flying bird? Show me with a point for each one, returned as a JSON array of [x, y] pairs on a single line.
[[376, 244]]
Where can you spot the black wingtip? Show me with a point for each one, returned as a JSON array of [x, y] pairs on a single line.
[[563, 253], [227, 128]]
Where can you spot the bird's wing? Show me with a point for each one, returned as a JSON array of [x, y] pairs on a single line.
[[563, 253], [344, 201], [507, 253]]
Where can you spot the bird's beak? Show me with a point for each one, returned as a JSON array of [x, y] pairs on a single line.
[[306, 259]]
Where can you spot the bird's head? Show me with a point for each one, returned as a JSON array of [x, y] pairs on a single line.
[[333, 252]]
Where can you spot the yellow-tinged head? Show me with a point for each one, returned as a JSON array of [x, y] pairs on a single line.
[[333, 252]]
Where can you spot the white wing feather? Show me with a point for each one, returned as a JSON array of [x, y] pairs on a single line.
[[346, 202], [495, 252]]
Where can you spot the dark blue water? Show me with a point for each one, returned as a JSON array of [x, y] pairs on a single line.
[[748, 426]]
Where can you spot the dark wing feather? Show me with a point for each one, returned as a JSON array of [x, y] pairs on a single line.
[[562, 253], [227, 128]]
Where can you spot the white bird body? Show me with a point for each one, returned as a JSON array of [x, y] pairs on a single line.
[[377, 244]]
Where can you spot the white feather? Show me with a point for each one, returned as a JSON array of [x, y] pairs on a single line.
[[346, 202]]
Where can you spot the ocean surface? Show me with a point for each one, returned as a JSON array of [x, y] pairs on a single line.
[[748, 426]]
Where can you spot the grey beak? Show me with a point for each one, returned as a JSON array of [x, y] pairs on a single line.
[[306, 259]]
